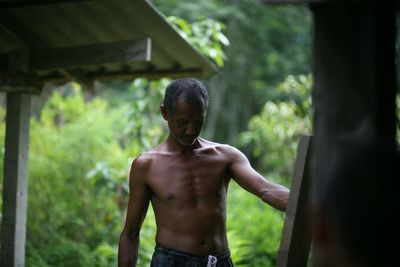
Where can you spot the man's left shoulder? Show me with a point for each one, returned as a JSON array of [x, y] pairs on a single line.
[[225, 149]]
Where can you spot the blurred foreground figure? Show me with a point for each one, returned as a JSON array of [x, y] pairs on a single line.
[[354, 215], [186, 180]]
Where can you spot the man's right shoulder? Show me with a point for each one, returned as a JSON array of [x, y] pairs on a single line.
[[141, 167]]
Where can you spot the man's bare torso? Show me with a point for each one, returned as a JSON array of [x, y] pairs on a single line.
[[186, 180], [188, 195]]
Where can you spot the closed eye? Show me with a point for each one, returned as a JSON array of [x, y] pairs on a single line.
[[182, 122], [199, 122]]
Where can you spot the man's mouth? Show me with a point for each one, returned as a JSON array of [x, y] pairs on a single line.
[[188, 140]]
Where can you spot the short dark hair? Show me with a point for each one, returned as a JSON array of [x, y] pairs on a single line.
[[192, 90], [357, 195]]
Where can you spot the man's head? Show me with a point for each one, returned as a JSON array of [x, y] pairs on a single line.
[[353, 215], [184, 108]]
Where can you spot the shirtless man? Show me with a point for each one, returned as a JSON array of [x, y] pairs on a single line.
[[186, 180]]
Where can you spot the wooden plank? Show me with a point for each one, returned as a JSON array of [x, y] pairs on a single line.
[[79, 76], [15, 184], [119, 52], [16, 78], [171, 43], [152, 75], [296, 237], [19, 82], [129, 75]]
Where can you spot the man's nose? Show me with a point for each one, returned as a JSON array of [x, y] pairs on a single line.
[[190, 130]]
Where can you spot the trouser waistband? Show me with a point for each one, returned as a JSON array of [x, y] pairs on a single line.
[[222, 256]]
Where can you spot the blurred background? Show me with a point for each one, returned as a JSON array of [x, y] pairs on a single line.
[[83, 140]]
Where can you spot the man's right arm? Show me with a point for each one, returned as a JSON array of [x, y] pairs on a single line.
[[139, 198]]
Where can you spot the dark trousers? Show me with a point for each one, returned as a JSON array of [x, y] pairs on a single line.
[[165, 257]]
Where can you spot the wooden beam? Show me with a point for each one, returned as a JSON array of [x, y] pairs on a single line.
[[178, 48], [73, 57], [16, 77], [296, 236], [127, 75], [151, 75], [15, 183], [13, 228], [22, 82], [79, 76], [19, 82]]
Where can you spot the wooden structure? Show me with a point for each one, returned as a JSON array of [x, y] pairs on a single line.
[[354, 86], [296, 236], [83, 40]]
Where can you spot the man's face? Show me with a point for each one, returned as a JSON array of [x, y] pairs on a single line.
[[185, 122]]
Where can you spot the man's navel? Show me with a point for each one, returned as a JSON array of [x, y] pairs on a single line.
[[202, 243]]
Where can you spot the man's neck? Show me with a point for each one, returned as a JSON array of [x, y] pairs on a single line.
[[174, 145]]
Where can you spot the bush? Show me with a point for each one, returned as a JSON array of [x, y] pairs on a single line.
[[272, 136]]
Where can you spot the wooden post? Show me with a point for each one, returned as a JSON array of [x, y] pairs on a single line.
[[354, 80], [15, 184], [354, 74], [296, 236]]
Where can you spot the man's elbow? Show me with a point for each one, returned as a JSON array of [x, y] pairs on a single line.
[[127, 238]]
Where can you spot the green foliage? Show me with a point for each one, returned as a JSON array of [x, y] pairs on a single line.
[[59, 251], [74, 204], [105, 255], [145, 127], [256, 229], [271, 140], [272, 135], [267, 43], [239, 246], [205, 35]]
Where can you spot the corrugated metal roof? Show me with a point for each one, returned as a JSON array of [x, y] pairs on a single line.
[[46, 25]]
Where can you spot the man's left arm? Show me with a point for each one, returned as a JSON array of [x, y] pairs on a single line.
[[243, 173]]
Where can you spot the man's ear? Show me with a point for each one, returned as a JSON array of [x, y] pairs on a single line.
[[163, 112]]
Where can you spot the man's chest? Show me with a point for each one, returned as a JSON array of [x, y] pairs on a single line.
[[188, 178]]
